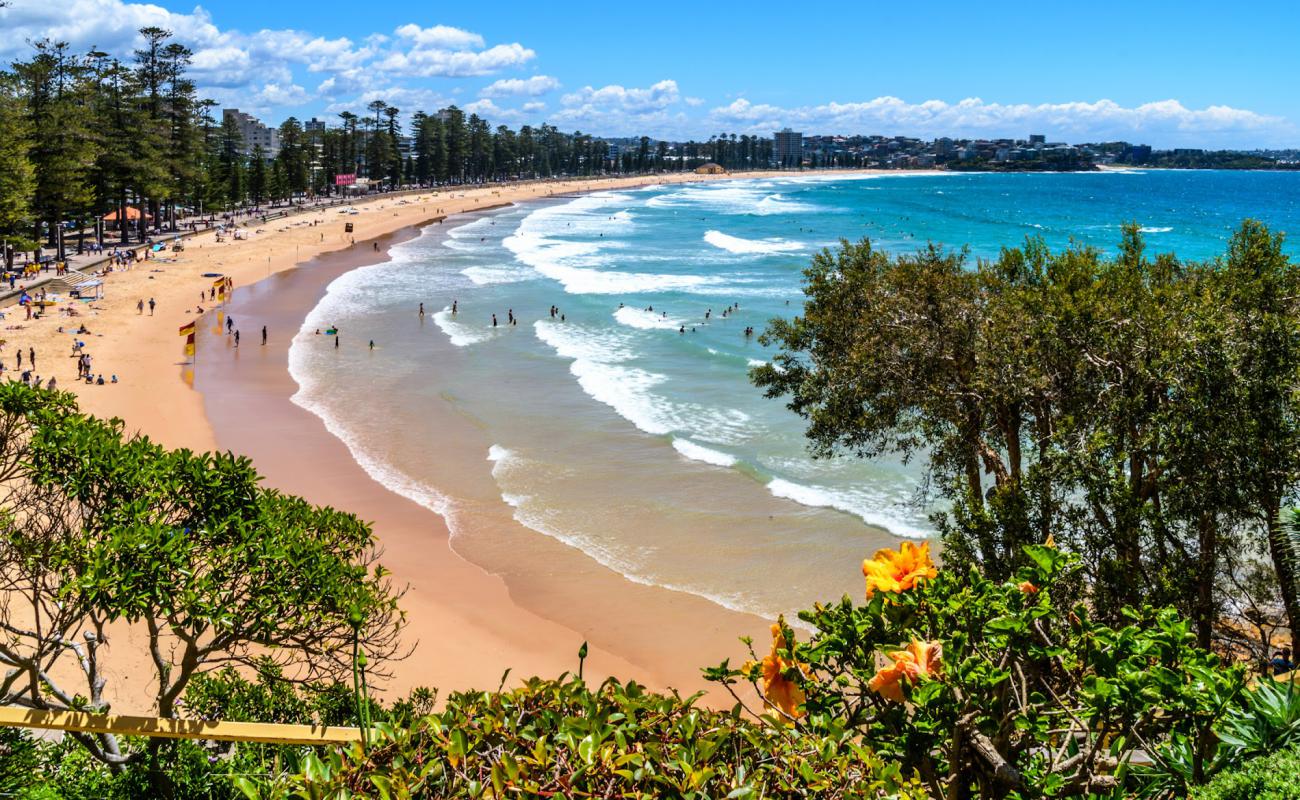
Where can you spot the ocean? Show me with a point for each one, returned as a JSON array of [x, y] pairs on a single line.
[[624, 425]]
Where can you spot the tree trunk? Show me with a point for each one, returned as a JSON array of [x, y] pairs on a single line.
[[1282, 548], [1207, 570]]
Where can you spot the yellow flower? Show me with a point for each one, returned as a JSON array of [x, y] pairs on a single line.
[[898, 570], [920, 660], [779, 690]]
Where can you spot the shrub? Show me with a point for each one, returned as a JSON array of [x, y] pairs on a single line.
[[1272, 777], [560, 738], [993, 688]]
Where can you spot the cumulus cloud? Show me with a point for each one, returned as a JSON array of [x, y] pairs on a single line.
[[265, 69], [1162, 123], [616, 110], [655, 98], [442, 37], [532, 87], [443, 63]]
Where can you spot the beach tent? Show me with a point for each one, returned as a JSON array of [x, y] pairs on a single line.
[[132, 213]]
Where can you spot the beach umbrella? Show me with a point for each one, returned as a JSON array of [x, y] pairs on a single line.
[[132, 213]]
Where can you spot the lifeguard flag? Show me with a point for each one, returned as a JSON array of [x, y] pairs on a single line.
[[188, 330], [189, 344]]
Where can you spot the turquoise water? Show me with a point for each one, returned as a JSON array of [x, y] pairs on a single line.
[[633, 434]]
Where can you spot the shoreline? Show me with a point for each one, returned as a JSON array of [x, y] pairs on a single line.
[[510, 619], [491, 629]]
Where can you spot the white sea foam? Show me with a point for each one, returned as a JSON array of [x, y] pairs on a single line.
[[539, 518], [646, 320], [484, 276], [579, 265], [458, 333], [756, 362], [600, 363], [779, 204], [312, 393], [1154, 230], [735, 244], [697, 452], [856, 503]]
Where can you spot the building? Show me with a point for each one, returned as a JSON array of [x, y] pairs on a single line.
[[314, 124], [1037, 138], [787, 148], [253, 133], [710, 169]]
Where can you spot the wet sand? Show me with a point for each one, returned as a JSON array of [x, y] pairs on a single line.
[[468, 626]]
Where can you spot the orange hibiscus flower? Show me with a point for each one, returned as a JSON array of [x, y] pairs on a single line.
[[898, 570], [921, 660], [1028, 588], [779, 690]]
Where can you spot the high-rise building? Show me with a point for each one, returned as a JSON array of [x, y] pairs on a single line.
[[314, 124], [254, 133], [1037, 138], [787, 148]]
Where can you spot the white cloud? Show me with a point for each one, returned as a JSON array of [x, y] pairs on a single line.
[[1163, 123], [532, 87], [533, 107], [655, 98], [615, 110], [443, 37], [265, 68], [694, 102], [437, 62]]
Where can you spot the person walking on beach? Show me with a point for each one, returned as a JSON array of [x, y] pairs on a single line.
[[263, 334], [31, 354], [236, 338], [422, 311], [372, 344], [336, 340], [230, 323], [139, 307], [151, 305]]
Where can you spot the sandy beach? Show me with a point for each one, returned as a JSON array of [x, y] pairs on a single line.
[[467, 625]]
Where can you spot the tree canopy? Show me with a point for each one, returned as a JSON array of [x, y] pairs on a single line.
[[1138, 410]]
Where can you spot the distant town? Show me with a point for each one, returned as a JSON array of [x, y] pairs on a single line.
[[790, 149]]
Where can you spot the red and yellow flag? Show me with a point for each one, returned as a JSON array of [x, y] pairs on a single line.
[[189, 345], [188, 330]]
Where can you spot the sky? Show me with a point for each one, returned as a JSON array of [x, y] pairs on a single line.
[[1165, 73]]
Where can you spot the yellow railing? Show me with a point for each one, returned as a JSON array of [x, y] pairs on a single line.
[[264, 732]]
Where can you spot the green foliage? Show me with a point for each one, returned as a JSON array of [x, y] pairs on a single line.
[[1033, 696], [1272, 777], [563, 738], [1269, 721], [211, 567], [1141, 410]]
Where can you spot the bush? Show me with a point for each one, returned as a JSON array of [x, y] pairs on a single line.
[[989, 688], [560, 738], [1271, 777]]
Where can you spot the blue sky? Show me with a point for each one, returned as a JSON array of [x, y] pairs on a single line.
[[1169, 74]]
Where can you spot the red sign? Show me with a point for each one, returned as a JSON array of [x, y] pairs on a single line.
[[345, 180]]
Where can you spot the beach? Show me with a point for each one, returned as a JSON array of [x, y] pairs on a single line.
[[465, 625]]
